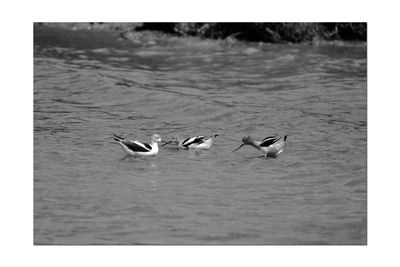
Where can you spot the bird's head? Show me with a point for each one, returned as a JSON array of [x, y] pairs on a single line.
[[156, 138]]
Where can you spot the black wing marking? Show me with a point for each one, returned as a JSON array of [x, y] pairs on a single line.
[[270, 140], [136, 146], [269, 137], [193, 140], [148, 146]]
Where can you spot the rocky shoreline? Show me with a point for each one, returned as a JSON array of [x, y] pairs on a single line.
[[252, 32]]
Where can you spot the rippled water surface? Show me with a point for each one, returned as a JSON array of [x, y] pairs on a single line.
[[90, 84]]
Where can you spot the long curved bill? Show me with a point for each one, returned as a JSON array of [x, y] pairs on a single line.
[[238, 148], [166, 143]]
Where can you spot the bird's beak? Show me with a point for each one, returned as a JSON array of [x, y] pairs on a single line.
[[165, 143], [238, 148]]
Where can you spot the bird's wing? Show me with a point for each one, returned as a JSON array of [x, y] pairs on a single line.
[[136, 146], [193, 140], [270, 140]]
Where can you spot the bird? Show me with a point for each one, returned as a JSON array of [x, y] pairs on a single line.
[[134, 147], [196, 142], [271, 146]]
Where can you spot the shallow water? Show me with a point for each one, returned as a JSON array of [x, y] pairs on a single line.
[[90, 84]]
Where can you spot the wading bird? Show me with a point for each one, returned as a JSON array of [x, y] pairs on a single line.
[[135, 147], [196, 142], [271, 146]]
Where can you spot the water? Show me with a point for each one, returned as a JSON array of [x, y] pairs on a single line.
[[88, 85]]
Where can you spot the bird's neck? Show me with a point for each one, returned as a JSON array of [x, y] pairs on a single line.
[[255, 144], [154, 144], [180, 141]]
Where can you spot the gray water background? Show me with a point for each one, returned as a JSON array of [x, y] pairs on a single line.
[[90, 84]]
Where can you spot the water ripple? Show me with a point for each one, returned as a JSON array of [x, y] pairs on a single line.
[[88, 192]]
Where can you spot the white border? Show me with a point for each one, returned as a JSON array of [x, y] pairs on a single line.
[[17, 124]]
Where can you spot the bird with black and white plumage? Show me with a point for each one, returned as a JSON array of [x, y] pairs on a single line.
[[195, 142], [137, 148], [271, 146]]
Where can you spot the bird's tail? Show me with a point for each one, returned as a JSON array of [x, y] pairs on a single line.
[[284, 138], [210, 136], [117, 138]]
